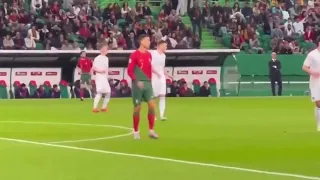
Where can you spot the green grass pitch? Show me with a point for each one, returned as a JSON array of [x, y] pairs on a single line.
[[204, 138]]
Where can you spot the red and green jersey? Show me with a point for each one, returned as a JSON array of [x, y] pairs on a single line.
[[85, 64], [139, 67]]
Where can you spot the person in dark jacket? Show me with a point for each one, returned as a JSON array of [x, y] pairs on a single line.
[[275, 74], [22, 92], [205, 89], [55, 92], [124, 90], [174, 89], [113, 85], [40, 93], [185, 91]]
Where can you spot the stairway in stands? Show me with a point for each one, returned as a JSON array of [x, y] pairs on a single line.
[[208, 40]]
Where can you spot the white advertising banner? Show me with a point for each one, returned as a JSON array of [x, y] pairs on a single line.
[[126, 77], [114, 73], [5, 75], [201, 73], [40, 75]]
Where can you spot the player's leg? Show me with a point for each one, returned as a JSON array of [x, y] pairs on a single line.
[[97, 98], [136, 99], [162, 100], [149, 98], [315, 95], [84, 84], [106, 99], [155, 91]]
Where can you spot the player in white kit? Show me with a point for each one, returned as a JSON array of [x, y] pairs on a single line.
[[159, 82], [100, 67], [311, 65]]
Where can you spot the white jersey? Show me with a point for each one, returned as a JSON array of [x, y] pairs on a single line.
[[313, 62], [102, 82], [158, 64]]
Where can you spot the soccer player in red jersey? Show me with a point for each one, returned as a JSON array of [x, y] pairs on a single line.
[[140, 72], [85, 66]]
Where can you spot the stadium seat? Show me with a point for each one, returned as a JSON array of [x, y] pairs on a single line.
[[33, 87], [64, 89], [168, 82], [124, 81], [196, 86], [47, 87], [3, 90], [213, 87]]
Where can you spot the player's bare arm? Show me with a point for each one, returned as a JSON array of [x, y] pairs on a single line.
[[156, 72]]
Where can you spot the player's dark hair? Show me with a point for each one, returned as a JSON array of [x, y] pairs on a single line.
[[161, 42], [55, 86], [82, 52], [142, 37]]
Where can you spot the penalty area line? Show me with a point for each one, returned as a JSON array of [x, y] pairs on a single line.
[[93, 139], [163, 159]]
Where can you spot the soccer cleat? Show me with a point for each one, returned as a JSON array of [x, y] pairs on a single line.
[[136, 135], [95, 110], [153, 135], [81, 99], [104, 110], [163, 118]]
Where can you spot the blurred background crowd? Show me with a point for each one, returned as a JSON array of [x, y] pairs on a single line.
[[283, 26]]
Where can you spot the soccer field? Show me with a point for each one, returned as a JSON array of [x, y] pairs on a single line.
[[204, 138]]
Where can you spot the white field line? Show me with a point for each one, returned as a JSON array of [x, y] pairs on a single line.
[[77, 124], [93, 139], [164, 159]]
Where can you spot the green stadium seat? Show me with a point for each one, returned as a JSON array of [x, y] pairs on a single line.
[[3, 90], [32, 87], [47, 88], [64, 89], [213, 87]]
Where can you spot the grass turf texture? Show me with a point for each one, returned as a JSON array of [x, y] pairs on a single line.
[[269, 134]]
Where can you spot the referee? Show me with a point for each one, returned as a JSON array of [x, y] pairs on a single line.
[[275, 74]]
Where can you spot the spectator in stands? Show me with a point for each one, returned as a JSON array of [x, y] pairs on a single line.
[[36, 5], [174, 89], [227, 10], [247, 10], [55, 92], [33, 33], [298, 26], [205, 89], [66, 45], [8, 42], [277, 32], [167, 7], [146, 10], [255, 44], [236, 42], [18, 41], [195, 17], [309, 35], [124, 90], [125, 10], [44, 33], [185, 91], [22, 92], [284, 48]]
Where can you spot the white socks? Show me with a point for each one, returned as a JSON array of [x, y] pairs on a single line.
[[317, 113], [162, 106], [96, 100], [106, 101]]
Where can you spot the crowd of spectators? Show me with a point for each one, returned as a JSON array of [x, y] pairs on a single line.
[[84, 25], [284, 26]]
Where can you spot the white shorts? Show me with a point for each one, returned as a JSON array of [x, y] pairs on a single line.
[[315, 94], [159, 87], [103, 86]]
